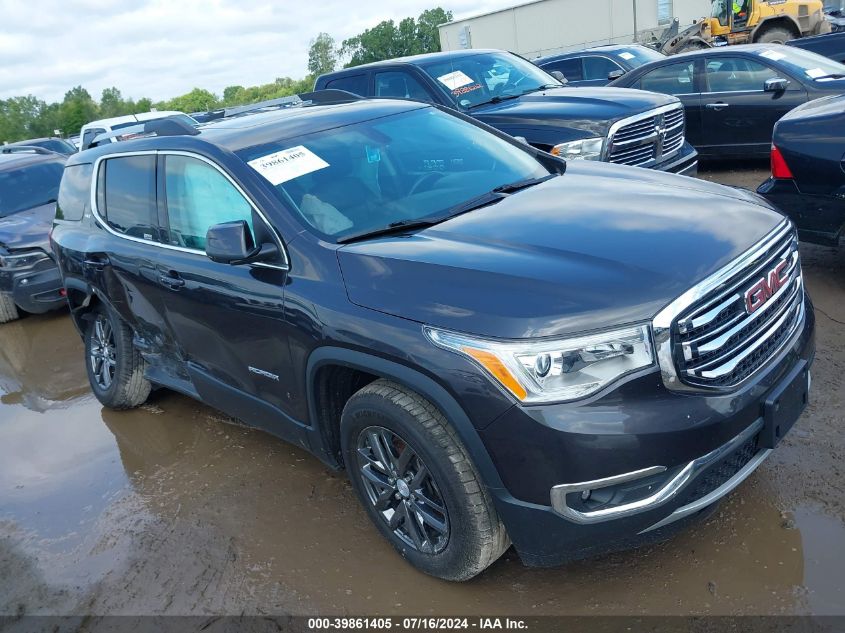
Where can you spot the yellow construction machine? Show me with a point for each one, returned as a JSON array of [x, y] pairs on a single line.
[[746, 22]]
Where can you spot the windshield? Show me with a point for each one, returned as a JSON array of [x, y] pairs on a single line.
[[475, 79], [29, 187], [399, 168], [637, 56], [807, 65], [719, 9]]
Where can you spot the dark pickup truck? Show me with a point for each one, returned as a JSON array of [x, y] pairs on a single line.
[[831, 45], [509, 93]]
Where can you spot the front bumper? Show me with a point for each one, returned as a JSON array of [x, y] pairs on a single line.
[[819, 219], [37, 289], [685, 163], [649, 460]]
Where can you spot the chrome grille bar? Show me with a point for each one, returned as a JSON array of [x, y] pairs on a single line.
[[648, 138], [714, 337]]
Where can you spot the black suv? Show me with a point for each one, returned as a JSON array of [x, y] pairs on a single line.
[[513, 95], [29, 186], [498, 346]]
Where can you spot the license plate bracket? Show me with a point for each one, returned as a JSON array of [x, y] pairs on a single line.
[[784, 405]]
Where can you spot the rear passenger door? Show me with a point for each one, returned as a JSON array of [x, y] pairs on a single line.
[[123, 260], [681, 80], [227, 320]]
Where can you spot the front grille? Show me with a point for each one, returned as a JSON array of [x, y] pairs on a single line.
[[718, 342], [646, 140], [720, 472]]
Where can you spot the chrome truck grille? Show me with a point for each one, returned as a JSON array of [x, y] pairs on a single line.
[[649, 138], [721, 332]]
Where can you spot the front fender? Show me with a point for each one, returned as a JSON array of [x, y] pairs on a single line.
[[411, 379]]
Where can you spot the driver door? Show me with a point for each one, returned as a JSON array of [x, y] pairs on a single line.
[[227, 320]]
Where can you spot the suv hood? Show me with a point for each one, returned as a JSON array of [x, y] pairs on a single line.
[[597, 247], [28, 229], [591, 109]]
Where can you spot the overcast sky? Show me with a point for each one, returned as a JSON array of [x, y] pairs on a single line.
[[161, 49]]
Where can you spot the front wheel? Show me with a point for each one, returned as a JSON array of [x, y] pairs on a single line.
[[418, 484], [775, 35], [115, 367], [8, 309]]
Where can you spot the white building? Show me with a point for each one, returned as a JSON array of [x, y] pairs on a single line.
[[543, 27]]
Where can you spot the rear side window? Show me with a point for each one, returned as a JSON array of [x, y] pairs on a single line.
[[198, 197], [674, 79], [356, 84], [571, 68], [130, 195], [400, 85], [74, 192], [599, 68]]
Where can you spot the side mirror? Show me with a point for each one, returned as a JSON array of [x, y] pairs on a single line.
[[559, 76], [615, 74], [777, 84], [232, 243]]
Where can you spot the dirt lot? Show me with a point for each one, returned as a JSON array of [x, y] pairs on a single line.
[[171, 509]]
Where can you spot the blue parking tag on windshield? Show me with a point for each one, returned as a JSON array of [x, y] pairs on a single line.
[[373, 154]]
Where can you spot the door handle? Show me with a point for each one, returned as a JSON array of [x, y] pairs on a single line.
[[171, 280], [717, 106], [97, 262]]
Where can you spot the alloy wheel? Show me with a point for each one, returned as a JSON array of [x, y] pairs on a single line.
[[103, 354], [402, 490]]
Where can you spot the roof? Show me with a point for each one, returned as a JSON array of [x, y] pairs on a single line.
[[264, 127], [604, 48], [417, 60], [15, 161], [30, 141]]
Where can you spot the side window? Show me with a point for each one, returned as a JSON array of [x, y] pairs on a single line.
[[356, 84], [400, 85], [130, 195], [674, 79], [74, 192], [598, 67], [89, 136], [737, 74], [198, 197], [571, 68]]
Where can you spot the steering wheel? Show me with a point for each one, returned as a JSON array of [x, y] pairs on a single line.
[[433, 176]]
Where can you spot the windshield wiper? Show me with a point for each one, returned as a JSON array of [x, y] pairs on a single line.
[[496, 99], [485, 199], [394, 227], [831, 76], [543, 87]]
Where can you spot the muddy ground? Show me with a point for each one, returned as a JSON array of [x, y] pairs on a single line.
[[170, 509]]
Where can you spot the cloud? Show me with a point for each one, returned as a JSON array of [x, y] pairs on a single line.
[[161, 49]]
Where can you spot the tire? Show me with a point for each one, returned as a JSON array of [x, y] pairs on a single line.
[[775, 35], [115, 368], [8, 309], [461, 534]]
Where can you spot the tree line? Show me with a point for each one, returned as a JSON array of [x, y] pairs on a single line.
[[30, 117]]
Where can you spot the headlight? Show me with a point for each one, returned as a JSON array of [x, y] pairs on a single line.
[[585, 149], [555, 370], [25, 259]]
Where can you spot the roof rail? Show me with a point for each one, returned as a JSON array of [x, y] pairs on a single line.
[[330, 95], [166, 126], [24, 149]]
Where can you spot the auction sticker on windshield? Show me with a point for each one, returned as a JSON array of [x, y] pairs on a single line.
[[454, 80], [773, 55], [626, 55], [288, 164]]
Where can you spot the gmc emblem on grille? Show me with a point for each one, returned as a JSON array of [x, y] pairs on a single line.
[[758, 294]]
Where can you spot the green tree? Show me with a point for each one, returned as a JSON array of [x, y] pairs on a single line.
[[112, 103], [322, 57], [387, 40], [77, 109], [18, 116], [197, 100]]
